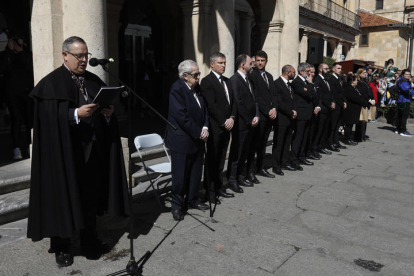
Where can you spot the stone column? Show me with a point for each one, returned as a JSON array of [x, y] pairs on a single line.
[[325, 46], [339, 50], [303, 47], [290, 33], [87, 19], [225, 27], [197, 36], [272, 45], [47, 37], [245, 33], [351, 52]]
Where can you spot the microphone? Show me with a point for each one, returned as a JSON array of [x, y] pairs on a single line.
[[95, 62]]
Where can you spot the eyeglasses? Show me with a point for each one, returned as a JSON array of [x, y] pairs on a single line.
[[195, 75], [80, 57], [326, 68]]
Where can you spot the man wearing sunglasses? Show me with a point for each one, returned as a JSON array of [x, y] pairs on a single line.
[[78, 169]]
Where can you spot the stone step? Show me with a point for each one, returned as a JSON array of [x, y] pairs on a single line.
[[14, 206], [15, 177]]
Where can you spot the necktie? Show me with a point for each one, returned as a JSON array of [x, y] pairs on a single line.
[[289, 86], [265, 79], [224, 87], [248, 83], [327, 84]]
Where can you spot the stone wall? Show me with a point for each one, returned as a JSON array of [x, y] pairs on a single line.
[[384, 44]]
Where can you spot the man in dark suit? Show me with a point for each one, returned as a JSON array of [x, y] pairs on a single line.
[[316, 104], [267, 101], [303, 99], [218, 92], [188, 113], [328, 103], [287, 114], [338, 93], [247, 118]]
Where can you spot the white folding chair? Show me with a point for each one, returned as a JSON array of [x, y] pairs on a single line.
[[148, 141]]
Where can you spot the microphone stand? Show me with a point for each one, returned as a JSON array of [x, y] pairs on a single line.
[[132, 267]]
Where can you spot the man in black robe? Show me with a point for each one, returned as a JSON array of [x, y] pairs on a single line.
[[77, 166]]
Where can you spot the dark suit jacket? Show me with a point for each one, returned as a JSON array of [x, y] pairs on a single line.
[[338, 92], [303, 99], [188, 117], [315, 97], [265, 97], [325, 95], [247, 108], [219, 109], [286, 103], [355, 102]]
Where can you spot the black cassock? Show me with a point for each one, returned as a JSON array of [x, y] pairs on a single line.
[[59, 153]]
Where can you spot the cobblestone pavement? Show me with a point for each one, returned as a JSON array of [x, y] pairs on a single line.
[[356, 204]]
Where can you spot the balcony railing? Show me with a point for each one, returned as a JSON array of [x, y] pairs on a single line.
[[333, 11]]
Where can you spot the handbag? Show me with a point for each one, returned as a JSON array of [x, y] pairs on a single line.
[[363, 116]]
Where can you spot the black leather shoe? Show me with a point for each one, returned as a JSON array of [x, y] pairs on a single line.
[[288, 167], [366, 137], [313, 156], [252, 178], [305, 162], [350, 143], [223, 193], [235, 188], [339, 146], [324, 151], [297, 167], [199, 206], [64, 258], [177, 214], [332, 148], [215, 201], [265, 173], [278, 171], [245, 183]]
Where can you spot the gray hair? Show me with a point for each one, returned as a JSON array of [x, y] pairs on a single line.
[[303, 66], [215, 56], [69, 41], [186, 67]]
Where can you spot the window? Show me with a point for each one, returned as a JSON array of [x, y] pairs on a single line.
[[379, 4], [363, 40]]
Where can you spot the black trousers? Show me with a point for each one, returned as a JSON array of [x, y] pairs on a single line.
[[282, 139], [240, 151], [334, 126], [186, 178], [311, 136], [360, 131], [321, 129], [403, 114], [260, 138], [89, 179], [300, 137], [217, 145], [348, 131], [21, 113]]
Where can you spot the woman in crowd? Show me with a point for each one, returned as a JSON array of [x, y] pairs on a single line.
[[373, 84], [366, 93], [350, 115]]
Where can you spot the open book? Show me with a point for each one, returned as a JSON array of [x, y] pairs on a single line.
[[108, 96]]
